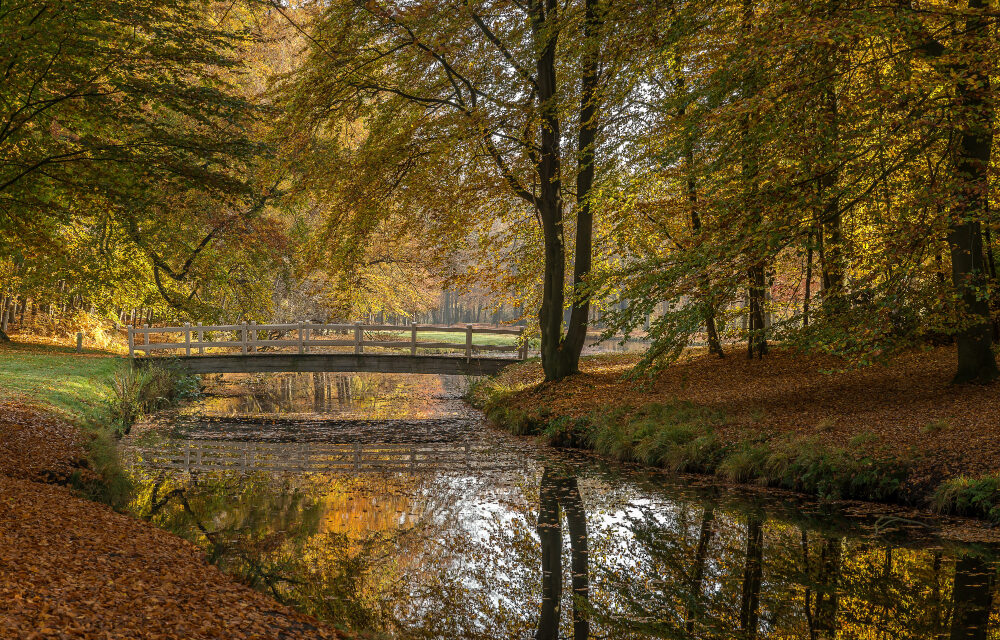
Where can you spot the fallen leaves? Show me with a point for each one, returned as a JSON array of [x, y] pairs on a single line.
[[907, 408], [36, 445], [70, 568]]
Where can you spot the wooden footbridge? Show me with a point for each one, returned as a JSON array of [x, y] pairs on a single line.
[[309, 347]]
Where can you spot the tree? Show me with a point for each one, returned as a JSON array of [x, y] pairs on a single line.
[[482, 94], [121, 125]]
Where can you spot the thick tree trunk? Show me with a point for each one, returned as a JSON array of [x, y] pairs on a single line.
[[971, 598], [576, 332], [576, 522], [756, 329], [976, 362], [549, 201]]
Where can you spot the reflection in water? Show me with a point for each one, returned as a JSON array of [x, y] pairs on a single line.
[[558, 495], [480, 552]]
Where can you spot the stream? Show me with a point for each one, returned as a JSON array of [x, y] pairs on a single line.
[[383, 502]]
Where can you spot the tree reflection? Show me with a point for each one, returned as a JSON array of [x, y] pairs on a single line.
[[559, 494], [972, 598]]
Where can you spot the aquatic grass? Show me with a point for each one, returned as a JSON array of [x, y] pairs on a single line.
[[745, 463], [140, 391]]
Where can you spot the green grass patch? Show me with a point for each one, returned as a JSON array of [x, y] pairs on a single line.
[[73, 385], [99, 393], [457, 337]]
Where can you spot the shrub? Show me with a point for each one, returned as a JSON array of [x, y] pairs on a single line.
[[139, 391]]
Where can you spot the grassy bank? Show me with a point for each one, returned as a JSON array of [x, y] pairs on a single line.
[[93, 392], [894, 433]]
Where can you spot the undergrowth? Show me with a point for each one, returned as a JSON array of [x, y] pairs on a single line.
[[683, 437], [965, 496], [137, 392]]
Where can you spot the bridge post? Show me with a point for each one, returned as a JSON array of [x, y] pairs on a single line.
[[201, 338], [359, 336], [253, 336], [243, 335], [413, 339], [468, 342], [131, 342], [301, 341], [187, 338]]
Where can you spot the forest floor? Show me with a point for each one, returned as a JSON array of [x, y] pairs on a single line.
[[74, 568], [898, 432]]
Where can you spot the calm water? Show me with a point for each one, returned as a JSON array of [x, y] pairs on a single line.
[[383, 502]]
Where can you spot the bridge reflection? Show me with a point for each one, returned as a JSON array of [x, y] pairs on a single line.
[[221, 456]]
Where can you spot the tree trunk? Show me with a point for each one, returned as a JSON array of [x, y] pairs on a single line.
[[833, 287], [549, 201], [809, 277], [756, 331], [698, 572], [976, 362], [576, 521], [561, 356], [828, 599]]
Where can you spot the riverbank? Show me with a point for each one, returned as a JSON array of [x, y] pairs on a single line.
[[74, 568], [898, 433]]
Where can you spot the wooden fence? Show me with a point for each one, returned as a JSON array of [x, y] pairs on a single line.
[[251, 338], [248, 457]]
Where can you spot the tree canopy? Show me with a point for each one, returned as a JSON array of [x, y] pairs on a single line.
[[821, 174]]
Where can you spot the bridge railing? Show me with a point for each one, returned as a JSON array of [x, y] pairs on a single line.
[[251, 338]]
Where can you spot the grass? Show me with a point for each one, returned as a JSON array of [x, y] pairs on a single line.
[[965, 496], [71, 384], [683, 436], [458, 337], [96, 392]]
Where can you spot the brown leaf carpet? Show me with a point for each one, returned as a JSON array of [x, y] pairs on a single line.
[[71, 568]]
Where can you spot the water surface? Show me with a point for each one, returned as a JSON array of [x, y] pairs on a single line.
[[383, 502]]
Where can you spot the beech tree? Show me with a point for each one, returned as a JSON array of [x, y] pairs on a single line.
[[489, 94], [842, 153]]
